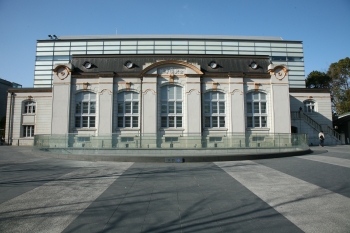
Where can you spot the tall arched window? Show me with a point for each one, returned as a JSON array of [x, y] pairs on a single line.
[[256, 110], [171, 106], [128, 110], [29, 107], [214, 109], [85, 110], [309, 106]]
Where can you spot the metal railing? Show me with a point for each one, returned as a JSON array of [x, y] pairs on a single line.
[[314, 124], [171, 141]]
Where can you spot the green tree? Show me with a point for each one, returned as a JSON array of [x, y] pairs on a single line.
[[340, 85], [317, 79]]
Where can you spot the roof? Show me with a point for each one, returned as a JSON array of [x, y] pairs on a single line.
[[176, 37]]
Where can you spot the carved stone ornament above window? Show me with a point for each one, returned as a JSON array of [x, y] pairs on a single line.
[[171, 70]]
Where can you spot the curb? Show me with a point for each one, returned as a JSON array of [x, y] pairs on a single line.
[[171, 158]]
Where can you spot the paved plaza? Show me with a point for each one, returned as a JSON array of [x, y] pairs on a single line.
[[308, 193]]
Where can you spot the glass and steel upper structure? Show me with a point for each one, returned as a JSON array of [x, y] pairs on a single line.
[[53, 51]]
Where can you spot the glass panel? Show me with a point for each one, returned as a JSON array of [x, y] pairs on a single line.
[[86, 96], [121, 96], [196, 47], [256, 121], [135, 107], [221, 107], [111, 48], [178, 107], [61, 58], [92, 121], [179, 42], [127, 121], [164, 107], [32, 131], [196, 42], [249, 121], [78, 43], [221, 96], [226, 43], [128, 95], [95, 42], [256, 108], [178, 93], [92, 107], [262, 96], [207, 96], [127, 107], [206, 107], [135, 96], [129, 42], [215, 122], [263, 107], [255, 95], [171, 121], [120, 122], [162, 42], [77, 122], [214, 107], [263, 121], [164, 93], [213, 42], [214, 96], [85, 121], [249, 107], [85, 107], [145, 42], [135, 122], [207, 122], [120, 107], [171, 92], [178, 121], [112, 42], [171, 107], [78, 48], [164, 122], [44, 58], [78, 107], [246, 44], [222, 121], [249, 96]]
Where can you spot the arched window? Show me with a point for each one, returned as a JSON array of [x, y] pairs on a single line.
[[214, 109], [85, 110], [29, 107], [171, 106], [309, 106], [128, 110], [256, 110]]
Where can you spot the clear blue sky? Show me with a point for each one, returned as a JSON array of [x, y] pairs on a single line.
[[322, 25]]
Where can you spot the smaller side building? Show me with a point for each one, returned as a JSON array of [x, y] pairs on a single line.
[[22, 118]]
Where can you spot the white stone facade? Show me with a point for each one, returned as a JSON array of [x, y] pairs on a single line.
[[194, 103]]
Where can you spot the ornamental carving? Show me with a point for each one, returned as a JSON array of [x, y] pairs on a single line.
[[171, 70], [279, 72]]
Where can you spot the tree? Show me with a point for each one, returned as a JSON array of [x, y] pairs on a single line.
[[317, 79], [340, 85]]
